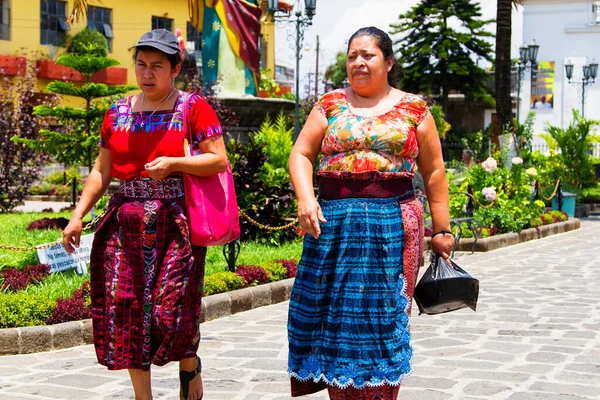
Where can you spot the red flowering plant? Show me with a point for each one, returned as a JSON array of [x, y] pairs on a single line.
[[253, 275], [14, 279], [75, 308], [290, 265]]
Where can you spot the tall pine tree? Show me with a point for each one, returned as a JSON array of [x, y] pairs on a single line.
[[77, 144], [439, 41]]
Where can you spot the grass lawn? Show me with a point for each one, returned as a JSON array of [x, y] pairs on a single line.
[[13, 232]]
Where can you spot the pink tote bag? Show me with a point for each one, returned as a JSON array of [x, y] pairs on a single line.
[[211, 203]]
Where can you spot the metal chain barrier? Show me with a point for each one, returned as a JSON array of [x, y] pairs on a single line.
[[47, 245], [267, 227], [553, 193], [481, 205]]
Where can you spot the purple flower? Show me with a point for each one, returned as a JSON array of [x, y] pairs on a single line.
[[489, 193]]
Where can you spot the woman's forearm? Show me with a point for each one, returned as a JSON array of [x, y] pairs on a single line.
[[301, 174], [95, 186], [436, 187], [201, 165]]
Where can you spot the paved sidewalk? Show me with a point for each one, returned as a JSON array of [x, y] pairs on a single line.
[[535, 336]]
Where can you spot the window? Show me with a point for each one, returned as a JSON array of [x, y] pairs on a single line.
[[164, 23], [53, 22], [4, 19], [193, 36], [100, 19]]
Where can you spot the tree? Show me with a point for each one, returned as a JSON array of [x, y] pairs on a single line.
[[436, 56], [20, 167], [78, 143], [502, 64], [336, 73]]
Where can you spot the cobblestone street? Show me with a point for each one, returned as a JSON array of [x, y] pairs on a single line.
[[535, 336]]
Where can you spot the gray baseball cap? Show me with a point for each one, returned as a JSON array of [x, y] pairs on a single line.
[[160, 39]]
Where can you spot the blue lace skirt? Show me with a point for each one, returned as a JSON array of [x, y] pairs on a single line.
[[348, 323]]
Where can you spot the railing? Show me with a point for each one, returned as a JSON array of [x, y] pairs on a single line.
[[545, 149]]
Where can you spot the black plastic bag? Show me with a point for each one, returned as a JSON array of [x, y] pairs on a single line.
[[445, 287]]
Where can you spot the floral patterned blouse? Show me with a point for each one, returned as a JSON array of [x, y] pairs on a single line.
[[135, 139], [354, 145]]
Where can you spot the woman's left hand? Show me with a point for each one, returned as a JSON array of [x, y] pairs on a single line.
[[443, 245], [159, 168]]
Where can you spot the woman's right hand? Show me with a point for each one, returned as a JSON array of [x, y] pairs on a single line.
[[72, 234], [309, 215]]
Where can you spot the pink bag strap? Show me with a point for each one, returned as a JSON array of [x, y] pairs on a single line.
[[185, 127]]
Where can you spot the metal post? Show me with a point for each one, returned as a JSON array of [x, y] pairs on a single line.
[[536, 191], [559, 196], [74, 193], [583, 98], [519, 72], [231, 252], [297, 111], [470, 207]]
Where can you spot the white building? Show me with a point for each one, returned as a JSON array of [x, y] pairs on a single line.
[[566, 31]]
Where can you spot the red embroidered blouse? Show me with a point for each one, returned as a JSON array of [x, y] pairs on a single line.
[[132, 146]]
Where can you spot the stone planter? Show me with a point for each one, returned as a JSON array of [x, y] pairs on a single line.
[[111, 76], [34, 339], [13, 65], [509, 239], [48, 69]]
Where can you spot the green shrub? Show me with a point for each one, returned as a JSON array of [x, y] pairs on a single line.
[[58, 177], [497, 217], [88, 42], [24, 309], [563, 216], [275, 271], [547, 218], [222, 282], [42, 188], [485, 232], [535, 222]]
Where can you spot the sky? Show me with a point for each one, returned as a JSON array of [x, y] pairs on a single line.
[[336, 20]]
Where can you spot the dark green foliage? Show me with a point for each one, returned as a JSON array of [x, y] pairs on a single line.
[[262, 182], [24, 309], [20, 166], [336, 73], [77, 143], [497, 218], [438, 58], [88, 42], [575, 144]]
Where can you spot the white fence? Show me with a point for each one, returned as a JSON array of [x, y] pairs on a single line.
[[545, 149]]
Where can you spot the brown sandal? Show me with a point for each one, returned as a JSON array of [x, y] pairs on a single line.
[[185, 377]]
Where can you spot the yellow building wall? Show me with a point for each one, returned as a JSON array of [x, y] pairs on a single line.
[[130, 20]]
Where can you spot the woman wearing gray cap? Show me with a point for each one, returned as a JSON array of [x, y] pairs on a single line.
[[146, 277]]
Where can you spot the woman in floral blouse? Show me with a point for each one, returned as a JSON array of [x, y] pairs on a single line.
[[349, 311]]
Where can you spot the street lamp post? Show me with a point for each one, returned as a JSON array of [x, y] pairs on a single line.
[[527, 61], [590, 73], [302, 22]]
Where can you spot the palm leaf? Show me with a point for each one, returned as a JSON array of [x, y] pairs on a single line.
[[79, 9]]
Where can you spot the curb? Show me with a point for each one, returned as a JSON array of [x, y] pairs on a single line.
[[512, 238], [35, 339]]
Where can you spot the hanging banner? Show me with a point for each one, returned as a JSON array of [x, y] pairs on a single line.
[[542, 86]]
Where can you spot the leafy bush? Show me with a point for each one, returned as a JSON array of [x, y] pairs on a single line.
[[222, 282], [291, 267], [75, 308], [14, 279], [575, 143], [41, 189], [437, 112], [88, 42], [266, 195], [24, 309], [20, 167], [48, 223], [275, 271], [58, 177], [252, 275], [497, 217]]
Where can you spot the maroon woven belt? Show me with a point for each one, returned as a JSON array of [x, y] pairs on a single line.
[[144, 188], [335, 189]]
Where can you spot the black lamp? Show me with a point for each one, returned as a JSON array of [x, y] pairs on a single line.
[[523, 54], [272, 5], [533, 52], [311, 6], [569, 69], [593, 70]]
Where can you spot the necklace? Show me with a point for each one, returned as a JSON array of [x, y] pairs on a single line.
[[159, 106]]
